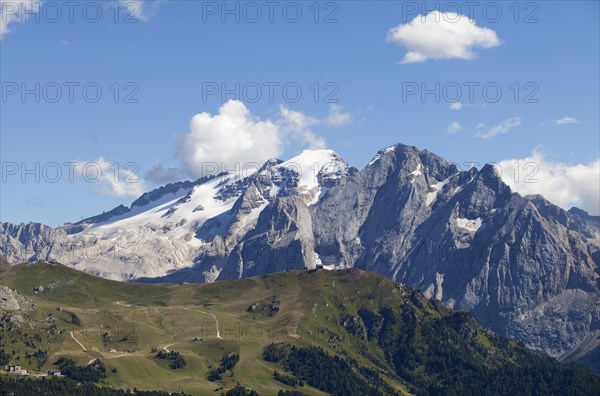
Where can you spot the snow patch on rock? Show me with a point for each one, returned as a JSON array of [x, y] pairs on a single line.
[[436, 188], [470, 225]]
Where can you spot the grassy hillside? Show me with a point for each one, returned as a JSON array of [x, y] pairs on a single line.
[[331, 330]]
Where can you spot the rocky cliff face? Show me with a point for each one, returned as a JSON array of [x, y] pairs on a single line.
[[524, 267], [14, 309], [27, 242]]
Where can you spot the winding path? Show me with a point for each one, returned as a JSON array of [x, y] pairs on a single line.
[[208, 313], [77, 341]]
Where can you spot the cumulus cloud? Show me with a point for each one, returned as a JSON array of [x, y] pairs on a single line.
[[455, 106], [565, 120], [565, 185], [108, 178], [296, 119], [235, 136], [337, 117], [441, 35], [502, 128], [232, 136], [296, 125], [16, 11], [454, 127]]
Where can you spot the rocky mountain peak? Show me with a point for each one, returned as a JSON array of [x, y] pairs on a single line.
[[463, 238]]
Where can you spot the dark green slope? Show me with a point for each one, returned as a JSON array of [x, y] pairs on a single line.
[[352, 333]]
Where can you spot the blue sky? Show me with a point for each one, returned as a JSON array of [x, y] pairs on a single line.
[[548, 53]]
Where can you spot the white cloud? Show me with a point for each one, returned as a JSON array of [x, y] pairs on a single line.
[[439, 35], [565, 120], [454, 127], [337, 117], [235, 136], [500, 129], [17, 11], [456, 106], [313, 141], [296, 119], [232, 136], [565, 185], [107, 178], [296, 126]]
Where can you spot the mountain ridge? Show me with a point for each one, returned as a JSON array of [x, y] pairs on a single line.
[[462, 237]]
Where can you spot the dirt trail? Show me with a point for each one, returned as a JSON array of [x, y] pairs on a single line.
[[77, 341], [208, 313]]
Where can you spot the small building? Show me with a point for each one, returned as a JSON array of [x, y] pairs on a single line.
[[196, 339], [14, 369], [54, 372]]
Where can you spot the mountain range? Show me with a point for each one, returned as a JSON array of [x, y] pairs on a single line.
[[525, 268]]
